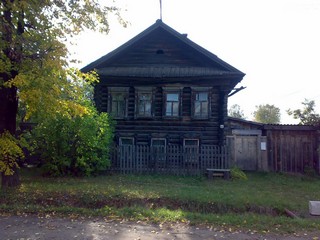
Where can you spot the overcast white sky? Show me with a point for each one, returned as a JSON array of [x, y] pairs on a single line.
[[275, 42]]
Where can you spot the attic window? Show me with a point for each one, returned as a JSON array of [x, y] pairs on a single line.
[[160, 51]]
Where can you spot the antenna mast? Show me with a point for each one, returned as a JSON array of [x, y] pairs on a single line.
[[160, 10]]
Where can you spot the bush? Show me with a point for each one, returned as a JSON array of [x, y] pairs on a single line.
[[310, 172], [77, 146], [237, 173]]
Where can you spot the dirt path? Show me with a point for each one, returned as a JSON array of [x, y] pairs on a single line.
[[32, 227]]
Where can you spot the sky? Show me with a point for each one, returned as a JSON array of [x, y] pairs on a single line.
[[276, 43]]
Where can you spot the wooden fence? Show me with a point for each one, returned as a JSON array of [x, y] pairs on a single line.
[[293, 154], [171, 159]]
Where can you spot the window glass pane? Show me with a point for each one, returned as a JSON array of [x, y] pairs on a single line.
[[141, 109], [148, 108], [203, 96], [205, 108], [173, 97], [197, 108], [169, 109], [175, 109]]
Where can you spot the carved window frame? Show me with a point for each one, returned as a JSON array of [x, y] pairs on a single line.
[[138, 92]]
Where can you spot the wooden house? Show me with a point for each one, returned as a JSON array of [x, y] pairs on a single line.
[[165, 90]]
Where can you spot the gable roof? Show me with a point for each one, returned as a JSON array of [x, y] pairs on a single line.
[[200, 62]]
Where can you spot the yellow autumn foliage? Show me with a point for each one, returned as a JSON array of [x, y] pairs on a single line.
[[10, 152]]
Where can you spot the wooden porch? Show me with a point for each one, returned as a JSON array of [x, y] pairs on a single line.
[[171, 159]]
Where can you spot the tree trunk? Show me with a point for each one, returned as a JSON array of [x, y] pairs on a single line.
[[8, 111], [8, 95]]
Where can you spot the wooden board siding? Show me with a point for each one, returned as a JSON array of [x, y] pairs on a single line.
[[146, 53], [101, 97], [186, 103], [157, 103], [208, 130], [175, 132], [131, 104]]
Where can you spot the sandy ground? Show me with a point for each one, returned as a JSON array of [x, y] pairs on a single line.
[[33, 227]]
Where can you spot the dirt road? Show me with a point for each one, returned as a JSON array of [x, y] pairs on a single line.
[[33, 227]]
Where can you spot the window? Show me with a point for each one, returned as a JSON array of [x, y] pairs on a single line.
[[201, 105], [172, 104], [125, 141], [118, 105], [118, 102], [144, 104]]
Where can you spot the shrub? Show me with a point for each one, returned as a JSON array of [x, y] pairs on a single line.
[[310, 171], [237, 173], [77, 146]]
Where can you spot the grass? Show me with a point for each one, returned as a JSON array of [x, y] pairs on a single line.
[[258, 203]]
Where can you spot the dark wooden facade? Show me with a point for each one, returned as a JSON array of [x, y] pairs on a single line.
[[162, 88]]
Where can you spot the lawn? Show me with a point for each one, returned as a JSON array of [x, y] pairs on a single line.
[[258, 203]]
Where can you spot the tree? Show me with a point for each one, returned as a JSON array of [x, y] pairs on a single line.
[[33, 59], [307, 115], [267, 114], [236, 112]]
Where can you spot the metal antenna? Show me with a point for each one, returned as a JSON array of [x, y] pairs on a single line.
[[161, 10]]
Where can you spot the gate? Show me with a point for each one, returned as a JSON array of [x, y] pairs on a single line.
[[248, 152]]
